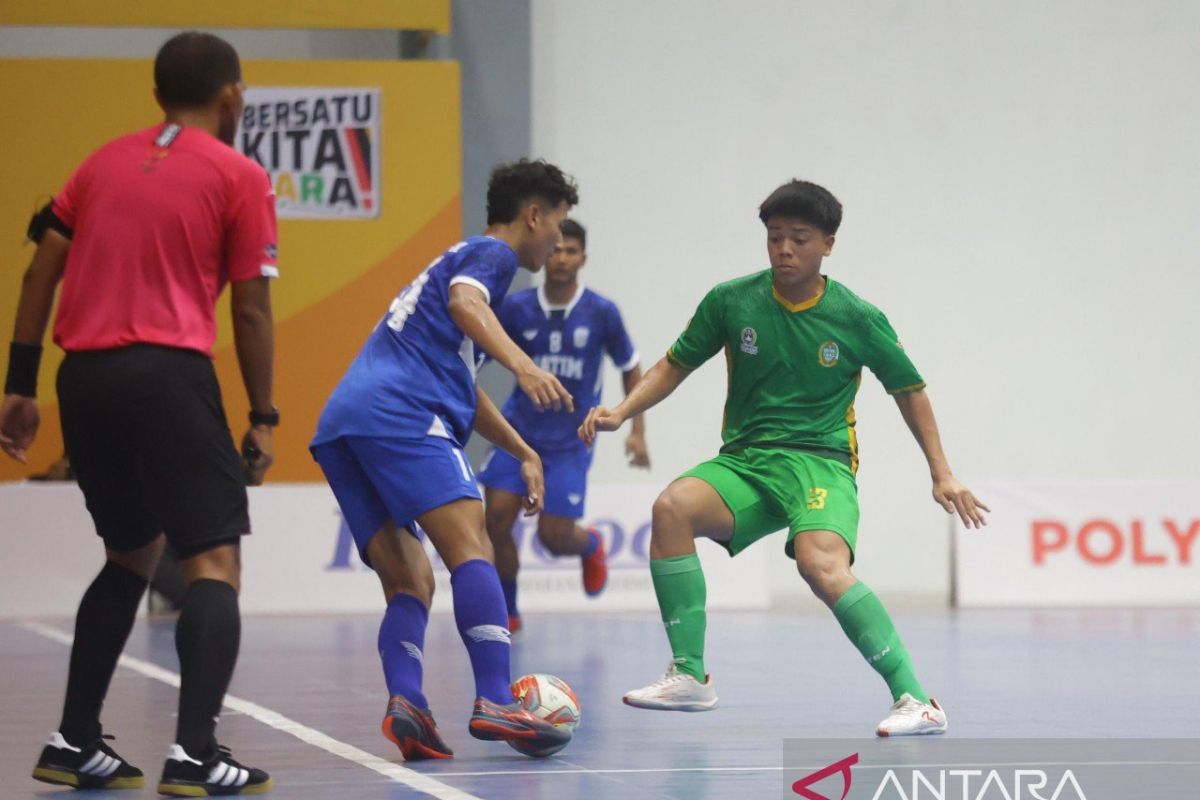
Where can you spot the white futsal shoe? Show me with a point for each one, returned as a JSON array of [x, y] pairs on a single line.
[[675, 691], [911, 717]]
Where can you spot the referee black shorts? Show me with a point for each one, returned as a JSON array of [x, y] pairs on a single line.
[[146, 432]]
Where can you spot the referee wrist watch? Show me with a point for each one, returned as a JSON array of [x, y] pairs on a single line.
[[268, 418]]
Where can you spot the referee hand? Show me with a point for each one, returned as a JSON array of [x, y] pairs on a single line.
[[258, 453], [19, 420]]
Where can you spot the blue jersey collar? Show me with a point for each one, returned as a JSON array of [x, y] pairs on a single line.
[[566, 308]]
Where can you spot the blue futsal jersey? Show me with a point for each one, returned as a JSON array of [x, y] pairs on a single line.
[[415, 375], [569, 341]]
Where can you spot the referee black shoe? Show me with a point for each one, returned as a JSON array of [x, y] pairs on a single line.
[[93, 766], [217, 776]]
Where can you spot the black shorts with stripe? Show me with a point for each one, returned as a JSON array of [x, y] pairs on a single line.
[[146, 432]]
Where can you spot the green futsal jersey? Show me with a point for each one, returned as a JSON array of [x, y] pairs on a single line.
[[794, 369]]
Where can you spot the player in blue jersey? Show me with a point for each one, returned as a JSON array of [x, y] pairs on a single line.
[[390, 442], [567, 329]]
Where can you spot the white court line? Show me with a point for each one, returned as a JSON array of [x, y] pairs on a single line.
[[811, 767], [397, 773]]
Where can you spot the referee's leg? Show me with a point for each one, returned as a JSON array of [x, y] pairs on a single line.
[[102, 625], [206, 638]]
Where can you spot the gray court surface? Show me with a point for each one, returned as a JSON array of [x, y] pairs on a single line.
[[308, 698]]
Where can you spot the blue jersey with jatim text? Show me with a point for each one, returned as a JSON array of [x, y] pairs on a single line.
[[415, 375], [569, 341]]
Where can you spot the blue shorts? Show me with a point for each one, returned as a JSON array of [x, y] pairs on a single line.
[[376, 480], [566, 477]]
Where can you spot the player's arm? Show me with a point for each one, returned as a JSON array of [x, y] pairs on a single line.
[[19, 416], [254, 340], [635, 443], [654, 387], [470, 311], [491, 425], [947, 491]]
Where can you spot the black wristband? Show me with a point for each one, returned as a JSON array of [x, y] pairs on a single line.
[[23, 362], [270, 418]]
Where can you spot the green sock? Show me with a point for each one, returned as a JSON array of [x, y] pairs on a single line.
[[868, 626], [679, 585]]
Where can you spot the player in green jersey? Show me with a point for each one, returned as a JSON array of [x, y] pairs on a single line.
[[795, 342]]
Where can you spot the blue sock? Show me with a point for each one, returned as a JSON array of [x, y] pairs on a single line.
[[510, 596], [480, 612], [401, 639], [592, 545]]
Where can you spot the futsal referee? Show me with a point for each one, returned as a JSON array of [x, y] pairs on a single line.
[[144, 237]]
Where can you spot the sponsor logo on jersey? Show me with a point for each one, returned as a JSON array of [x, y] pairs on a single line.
[[580, 337], [530, 334], [750, 341], [828, 354], [562, 366]]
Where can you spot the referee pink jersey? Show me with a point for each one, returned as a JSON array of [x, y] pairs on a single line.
[[162, 218]]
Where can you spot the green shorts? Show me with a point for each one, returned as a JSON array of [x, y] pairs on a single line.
[[772, 489]]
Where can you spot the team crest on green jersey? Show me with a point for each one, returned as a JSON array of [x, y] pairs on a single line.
[[750, 341], [828, 354]]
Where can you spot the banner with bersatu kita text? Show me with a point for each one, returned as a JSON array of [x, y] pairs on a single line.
[[1083, 543], [320, 147]]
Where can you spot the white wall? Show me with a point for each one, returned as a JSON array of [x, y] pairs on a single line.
[[1020, 183]]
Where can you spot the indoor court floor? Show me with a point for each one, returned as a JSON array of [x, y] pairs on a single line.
[[308, 697]]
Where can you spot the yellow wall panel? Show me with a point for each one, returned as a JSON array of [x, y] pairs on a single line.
[[431, 15], [337, 276]]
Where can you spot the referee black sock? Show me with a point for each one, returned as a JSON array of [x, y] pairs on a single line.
[[102, 625], [206, 639]]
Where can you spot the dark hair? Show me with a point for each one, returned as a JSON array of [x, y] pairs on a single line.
[[511, 185], [574, 230], [803, 200], [192, 68]]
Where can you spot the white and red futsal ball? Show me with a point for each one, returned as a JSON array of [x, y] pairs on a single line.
[[550, 698]]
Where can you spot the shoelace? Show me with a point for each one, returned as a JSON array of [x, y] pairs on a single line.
[[671, 677], [908, 706]]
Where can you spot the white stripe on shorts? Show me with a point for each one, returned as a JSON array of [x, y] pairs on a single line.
[[462, 463]]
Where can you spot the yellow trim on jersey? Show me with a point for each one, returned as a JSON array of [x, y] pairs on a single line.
[[794, 307], [674, 359], [852, 434], [916, 387]]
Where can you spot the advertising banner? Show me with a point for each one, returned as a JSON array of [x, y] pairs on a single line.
[[320, 148], [301, 558], [1085, 543]]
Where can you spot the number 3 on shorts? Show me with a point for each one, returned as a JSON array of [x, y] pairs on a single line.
[[816, 499]]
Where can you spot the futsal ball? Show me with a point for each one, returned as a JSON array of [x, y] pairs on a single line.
[[550, 698]]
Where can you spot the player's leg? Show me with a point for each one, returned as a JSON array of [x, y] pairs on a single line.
[[824, 533], [688, 508], [76, 755], [823, 559], [558, 526], [501, 510], [456, 529], [564, 536], [429, 481], [719, 500], [406, 576]]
